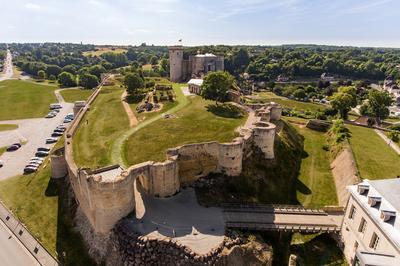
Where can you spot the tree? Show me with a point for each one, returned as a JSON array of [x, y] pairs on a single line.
[[343, 101], [53, 70], [133, 82], [153, 60], [299, 94], [88, 81], [97, 70], [41, 74], [378, 102], [216, 86], [66, 79]]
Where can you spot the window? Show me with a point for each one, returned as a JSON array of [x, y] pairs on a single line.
[[374, 241], [362, 226], [353, 212]]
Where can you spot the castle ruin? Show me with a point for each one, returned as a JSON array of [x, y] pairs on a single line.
[[196, 66]]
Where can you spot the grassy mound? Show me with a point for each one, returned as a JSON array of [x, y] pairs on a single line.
[[73, 95], [191, 124]]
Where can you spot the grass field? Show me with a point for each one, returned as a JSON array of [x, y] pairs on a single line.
[[374, 158], [192, 124], [34, 200], [301, 106], [72, 95], [23, 99], [2, 150], [316, 187], [105, 121], [5, 127], [102, 50]]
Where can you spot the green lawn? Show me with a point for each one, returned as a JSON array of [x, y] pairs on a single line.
[[34, 200], [104, 123], [374, 158], [5, 127], [24, 99], [72, 95], [301, 106], [316, 186], [192, 124], [2, 150]]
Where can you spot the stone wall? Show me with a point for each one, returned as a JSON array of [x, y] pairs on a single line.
[[105, 200]]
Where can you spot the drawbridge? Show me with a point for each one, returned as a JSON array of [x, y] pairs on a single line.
[[286, 218]]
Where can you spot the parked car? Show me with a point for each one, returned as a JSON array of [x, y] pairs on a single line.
[[62, 126], [29, 170], [54, 106], [33, 165], [37, 160], [56, 134], [13, 147], [17, 144], [51, 140], [66, 120], [1, 164], [34, 161], [43, 149], [41, 154], [60, 129], [50, 115]]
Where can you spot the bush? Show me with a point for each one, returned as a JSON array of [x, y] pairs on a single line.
[[338, 131], [394, 136]]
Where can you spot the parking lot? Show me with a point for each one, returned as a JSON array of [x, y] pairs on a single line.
[[33, 133]]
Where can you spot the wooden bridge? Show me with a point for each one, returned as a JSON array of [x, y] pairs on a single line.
[[287, 218]]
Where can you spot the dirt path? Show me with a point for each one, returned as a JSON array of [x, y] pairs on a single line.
[[344, 172], [132, 118]]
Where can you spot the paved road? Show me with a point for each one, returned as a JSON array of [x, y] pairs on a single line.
[[12, 252], [34, 131], [8, 67]]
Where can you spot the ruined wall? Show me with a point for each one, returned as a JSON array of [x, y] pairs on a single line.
[[58, 164], [105, 200]]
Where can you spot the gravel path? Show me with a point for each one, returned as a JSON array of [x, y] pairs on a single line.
[[8, 67], [132, 118]]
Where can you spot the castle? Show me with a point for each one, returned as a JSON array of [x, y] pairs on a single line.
[[195, 66]]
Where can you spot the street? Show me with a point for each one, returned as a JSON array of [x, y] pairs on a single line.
[[8, 67], [12, 252]]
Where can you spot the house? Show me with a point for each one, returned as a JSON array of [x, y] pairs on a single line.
[[371, 225], [327, 77], [195, 85], [282, 78]]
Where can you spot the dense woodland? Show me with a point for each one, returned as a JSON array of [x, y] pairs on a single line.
[[262, 63]]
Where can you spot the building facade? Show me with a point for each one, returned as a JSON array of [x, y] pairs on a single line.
[[196, 66], [371, 225]]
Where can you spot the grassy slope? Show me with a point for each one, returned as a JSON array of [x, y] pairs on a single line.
[[72, 95], [106, 121], [101, 51], [304, 106], [23, 99], [5, 127], [375, 159], [315, 172], [34, 200], [192, 124], [2, 150]]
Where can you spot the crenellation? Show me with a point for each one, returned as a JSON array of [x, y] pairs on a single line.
[[106, 195]]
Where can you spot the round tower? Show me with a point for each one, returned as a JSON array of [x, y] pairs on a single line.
[[175, 62], [59, 167]]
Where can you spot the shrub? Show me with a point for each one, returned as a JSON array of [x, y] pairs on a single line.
[[394, 136]]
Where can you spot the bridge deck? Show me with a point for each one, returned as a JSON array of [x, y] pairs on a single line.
[[282, 219]]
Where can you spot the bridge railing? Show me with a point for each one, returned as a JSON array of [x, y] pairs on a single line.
[[284, 227], [271, 208]]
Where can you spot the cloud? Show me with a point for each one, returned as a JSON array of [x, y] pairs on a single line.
[[365, 6], [32, 6], [96, 3]]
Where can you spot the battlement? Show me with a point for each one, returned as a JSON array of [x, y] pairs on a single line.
[[106, 195]]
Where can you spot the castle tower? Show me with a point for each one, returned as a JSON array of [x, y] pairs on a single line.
[[175, 62]]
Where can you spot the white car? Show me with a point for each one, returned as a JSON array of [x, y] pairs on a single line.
[[51, 140]]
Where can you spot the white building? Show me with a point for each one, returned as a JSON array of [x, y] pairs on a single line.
[[371, 225], [195, 85]]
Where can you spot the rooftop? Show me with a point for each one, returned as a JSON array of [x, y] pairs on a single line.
[[206, 55], [389, 192], [197, 82]]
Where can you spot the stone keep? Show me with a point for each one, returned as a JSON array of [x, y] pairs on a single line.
[[175, 61]]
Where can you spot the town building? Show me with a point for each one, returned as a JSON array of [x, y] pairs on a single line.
[[195, 85], [390, 86], [371, 225], [327, 77], [195, 66]]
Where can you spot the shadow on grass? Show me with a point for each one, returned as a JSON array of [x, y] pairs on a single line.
[[136, 98], [321, 250], [226, 110]]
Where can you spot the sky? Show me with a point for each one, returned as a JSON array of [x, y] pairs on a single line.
[[199, 22]]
